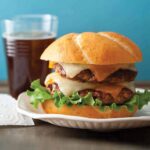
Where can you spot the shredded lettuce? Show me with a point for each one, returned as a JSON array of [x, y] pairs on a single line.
[[39, 94]]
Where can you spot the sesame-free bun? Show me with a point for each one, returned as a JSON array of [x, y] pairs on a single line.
[[102, 48], [86, 111]]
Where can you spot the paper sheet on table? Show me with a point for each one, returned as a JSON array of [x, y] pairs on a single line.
[[9, 114]]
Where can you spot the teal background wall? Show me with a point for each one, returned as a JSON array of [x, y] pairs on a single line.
[[129, 17]]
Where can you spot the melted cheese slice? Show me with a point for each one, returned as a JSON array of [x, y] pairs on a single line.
[[100, 71], [72, 70], [67, 86]]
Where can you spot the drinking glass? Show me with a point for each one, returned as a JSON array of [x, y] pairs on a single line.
[[25, 38]]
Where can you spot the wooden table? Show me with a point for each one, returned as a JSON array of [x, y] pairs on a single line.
[[45, 136]]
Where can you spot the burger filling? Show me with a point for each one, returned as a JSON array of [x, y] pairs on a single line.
[[39, 94], [93, 85], [107, 93], [94, 73]]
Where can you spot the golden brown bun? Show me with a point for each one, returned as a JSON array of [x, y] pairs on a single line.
[[101, 48], [86, 111]]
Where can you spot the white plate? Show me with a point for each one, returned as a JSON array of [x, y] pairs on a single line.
[[141, 118]]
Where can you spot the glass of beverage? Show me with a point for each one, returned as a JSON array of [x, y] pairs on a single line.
[[25, 38]]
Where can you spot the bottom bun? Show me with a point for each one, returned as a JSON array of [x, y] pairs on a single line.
[[86, 111]]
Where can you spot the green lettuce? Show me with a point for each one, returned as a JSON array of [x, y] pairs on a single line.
[[39, 94]]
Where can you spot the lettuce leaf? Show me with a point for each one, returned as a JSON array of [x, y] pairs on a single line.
[[39, 94]]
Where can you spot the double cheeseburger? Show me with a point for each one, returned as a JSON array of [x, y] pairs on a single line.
[[93, 77]]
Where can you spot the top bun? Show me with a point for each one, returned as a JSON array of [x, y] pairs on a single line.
[[102, 48]]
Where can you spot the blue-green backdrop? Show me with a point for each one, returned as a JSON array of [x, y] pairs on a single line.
[[129, 17]]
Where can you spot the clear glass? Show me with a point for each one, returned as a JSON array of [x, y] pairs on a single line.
[[25, 38], [31, 26]]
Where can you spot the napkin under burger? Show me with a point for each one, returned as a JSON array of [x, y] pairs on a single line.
[[94, 77]]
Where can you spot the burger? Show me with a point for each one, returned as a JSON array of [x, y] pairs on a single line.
[[93, 77]]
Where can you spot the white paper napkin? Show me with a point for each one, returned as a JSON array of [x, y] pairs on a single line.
[[9, 114]]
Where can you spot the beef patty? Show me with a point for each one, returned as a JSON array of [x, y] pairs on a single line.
[[124, 95], [121, 75]]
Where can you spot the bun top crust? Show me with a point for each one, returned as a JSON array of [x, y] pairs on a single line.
[[102, 48]]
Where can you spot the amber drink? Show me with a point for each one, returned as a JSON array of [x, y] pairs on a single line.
[[23, 50]]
